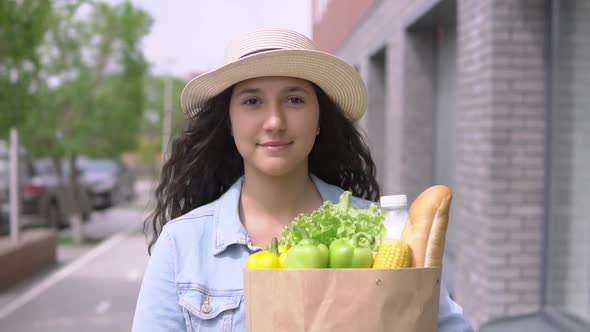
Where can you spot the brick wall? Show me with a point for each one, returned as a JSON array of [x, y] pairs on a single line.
[[499, 193], [501, 136], [501, 157]]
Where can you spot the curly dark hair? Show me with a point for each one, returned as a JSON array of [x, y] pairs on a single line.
[[204, 161]]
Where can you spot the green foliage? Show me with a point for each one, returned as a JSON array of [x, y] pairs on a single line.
[[22, 27], [91, 96]]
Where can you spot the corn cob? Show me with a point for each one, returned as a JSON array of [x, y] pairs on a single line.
[[393, 254]]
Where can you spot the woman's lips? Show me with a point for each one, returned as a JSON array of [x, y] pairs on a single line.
[[275, 146]]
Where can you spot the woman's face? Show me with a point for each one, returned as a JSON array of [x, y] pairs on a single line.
[[274, 123]]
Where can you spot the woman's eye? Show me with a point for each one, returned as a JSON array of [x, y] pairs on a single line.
[[295, 100], [251, 101]]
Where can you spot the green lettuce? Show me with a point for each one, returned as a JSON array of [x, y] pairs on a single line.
[[334, 221]]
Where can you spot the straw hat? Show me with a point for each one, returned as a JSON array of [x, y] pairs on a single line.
[[278, 52]]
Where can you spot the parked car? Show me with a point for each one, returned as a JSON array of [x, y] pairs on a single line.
[[46, 179], [109, 181], [43, 198]]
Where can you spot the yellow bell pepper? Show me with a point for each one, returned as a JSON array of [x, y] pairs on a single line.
[[265, 259]]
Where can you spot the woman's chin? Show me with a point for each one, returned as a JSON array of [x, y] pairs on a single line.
[[275, 168]]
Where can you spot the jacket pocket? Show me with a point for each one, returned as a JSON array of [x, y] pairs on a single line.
[[208, 309]]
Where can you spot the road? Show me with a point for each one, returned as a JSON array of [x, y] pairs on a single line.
[[96, 290]]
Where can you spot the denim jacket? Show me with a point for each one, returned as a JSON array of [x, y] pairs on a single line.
[[193, 281]]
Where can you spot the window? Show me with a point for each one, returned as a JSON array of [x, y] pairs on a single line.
[[377, 90], [567, 288]]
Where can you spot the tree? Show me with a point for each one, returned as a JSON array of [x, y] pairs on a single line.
[[95, 58], [91, 83], [22, 27], [150, 145]]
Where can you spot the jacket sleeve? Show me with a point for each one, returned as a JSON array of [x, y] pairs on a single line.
[[157, 304], [450, 314]]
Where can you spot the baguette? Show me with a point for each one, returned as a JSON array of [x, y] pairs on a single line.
[[426, 227]]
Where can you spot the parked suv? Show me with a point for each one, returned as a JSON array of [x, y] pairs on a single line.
[[109, 181], [46, 179], [43, 198]]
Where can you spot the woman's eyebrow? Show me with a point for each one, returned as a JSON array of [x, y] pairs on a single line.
[[296, 89], [246, 91]]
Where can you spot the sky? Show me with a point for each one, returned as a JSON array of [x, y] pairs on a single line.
[[190, 35]]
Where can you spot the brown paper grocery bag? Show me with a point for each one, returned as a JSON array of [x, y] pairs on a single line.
[[340, 300]]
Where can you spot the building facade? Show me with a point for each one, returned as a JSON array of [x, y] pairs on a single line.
[[490, 97]]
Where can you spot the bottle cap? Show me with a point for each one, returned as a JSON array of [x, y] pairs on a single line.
[[393, 201]]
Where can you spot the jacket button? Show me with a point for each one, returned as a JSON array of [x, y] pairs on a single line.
[[205, 308]]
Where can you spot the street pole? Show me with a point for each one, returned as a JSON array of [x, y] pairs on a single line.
[[167, 116], [14, 192], [74, 202]]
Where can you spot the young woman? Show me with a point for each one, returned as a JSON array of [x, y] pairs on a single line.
[[269, 135]]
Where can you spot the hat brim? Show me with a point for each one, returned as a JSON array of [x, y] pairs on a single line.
[[339, 80]]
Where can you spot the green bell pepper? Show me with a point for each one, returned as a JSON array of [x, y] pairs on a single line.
[[352, 253], [307, 253]]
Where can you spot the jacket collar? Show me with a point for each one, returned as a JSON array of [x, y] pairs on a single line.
[[228, 228]]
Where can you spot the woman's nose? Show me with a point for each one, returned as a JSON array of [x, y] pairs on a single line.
[[275, 119]]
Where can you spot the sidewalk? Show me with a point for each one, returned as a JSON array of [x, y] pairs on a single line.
[[102, 225], [92, 283], [97, 292]]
